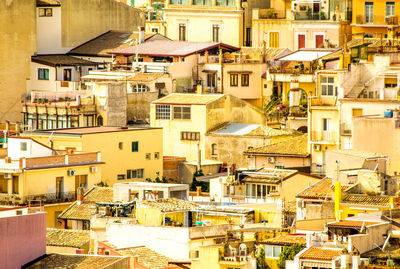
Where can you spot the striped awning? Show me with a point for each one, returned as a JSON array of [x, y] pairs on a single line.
[[317, 264]]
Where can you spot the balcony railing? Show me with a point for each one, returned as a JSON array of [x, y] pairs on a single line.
[[323, 101], [377, 20], [50, 198], [311, 16], [325, 137], [291, 70], [151, 67]]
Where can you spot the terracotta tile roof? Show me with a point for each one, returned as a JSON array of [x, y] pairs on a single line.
[[64, 60], [362, 199], [66, 237], [76, 261], [268, 175], [287, 239], [92, 196], [91, 130], [170, 48], [319, 190], [378, 253], [146, 257], [188, 99], [111, 40], [372, 42], [297, 146], [359, 153], [146, 77], [325, 254], [168, 204], [357, 224]]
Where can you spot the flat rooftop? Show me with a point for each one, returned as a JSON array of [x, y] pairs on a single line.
[[151, 184], [91, 130]]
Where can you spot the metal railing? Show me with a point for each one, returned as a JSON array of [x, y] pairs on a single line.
[[324, 136], [292, 70], [311, 16], [50, 198]]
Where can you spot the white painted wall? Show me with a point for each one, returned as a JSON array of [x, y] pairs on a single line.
[[49, 32], [33, 149], [172, 242], [13, 212]]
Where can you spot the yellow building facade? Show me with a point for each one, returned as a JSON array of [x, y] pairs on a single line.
[[206, 21], [130, 154], [379, 16]]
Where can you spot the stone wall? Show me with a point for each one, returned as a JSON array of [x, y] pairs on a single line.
[[138, 107], [116, 104]]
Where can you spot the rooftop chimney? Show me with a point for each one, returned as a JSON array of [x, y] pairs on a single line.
[[80, 251], [141, 34]]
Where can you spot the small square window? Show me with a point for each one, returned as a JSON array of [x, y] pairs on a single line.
[[245, 79], [148, 156], [24, 146], [120, 145], [120, 177], [135, 146], [156, 155]]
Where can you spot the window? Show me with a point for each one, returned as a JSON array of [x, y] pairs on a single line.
[[234, 80], [45, 12], [156, 155], [216, 33], [179, 2], [182, 32], [120, 145], [3, 184], [154, 30], [120, 177], [214, 149], [369, 12], [274, 39], [136, 173], [24, 146], [225, 3], [140, 88], [211, 80], [182, 112], [67, 74], [81, 181], [327, 86], [43, 74], [245, 79], [356, 112], [148, 156], [202, 2], [135, 146], [325, 125], [163, 112], [190, 136], [390, 7]]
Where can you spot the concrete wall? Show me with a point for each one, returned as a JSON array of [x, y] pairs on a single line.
[[84, 20], [18, 43], [33, 149], [115, 110], [259, 161], [138, 105], [172, 242], [49, 31], [23, 239], [366, 242], [295, 184]]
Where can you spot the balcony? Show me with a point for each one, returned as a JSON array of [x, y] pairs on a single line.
[[324, 137], [323, 101], [151, 67], [310, 16], [345, 129], [297, 70], [377, 20]]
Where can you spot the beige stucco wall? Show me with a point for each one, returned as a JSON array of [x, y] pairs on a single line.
[[84, 20], [262, 27], [18, 43], [295, 184], [262, 161], [382, 137]]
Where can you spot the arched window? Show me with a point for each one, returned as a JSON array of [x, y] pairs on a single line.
[[214, 149], [100, 121]]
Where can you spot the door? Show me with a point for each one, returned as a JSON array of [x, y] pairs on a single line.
[[59, 187], [319, 41], [301, 41], [369, 12], [68, 74], [325, 129]]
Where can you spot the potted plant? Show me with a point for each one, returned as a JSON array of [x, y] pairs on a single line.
[[270, 14], [309, 14], [303, 8], [322, 15]]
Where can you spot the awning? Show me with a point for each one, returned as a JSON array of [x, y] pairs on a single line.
[[209, 71], [304, 55], [317, 264], [239, 72]]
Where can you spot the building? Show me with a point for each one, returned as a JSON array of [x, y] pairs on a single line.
[[129, 191], [186, 118], [33, 171], [23, 236], [228, 142], [380, 17], [77, 215], [177, 58], [46, 27], [290, 153], [220, 21], [143, 145]]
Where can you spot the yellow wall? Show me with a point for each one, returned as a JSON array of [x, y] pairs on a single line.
[[261, 29], [42, 181], [117, 161], [149, 216], [208, 258], [216, 220], [379, 15], [53, 210]]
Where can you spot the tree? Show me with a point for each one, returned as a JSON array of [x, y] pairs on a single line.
[[261, 264], [288, 253], [204, 185]]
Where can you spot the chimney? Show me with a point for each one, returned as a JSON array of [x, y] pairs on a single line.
[[141, 34], [79, 195], [80, 251], [338, 199]]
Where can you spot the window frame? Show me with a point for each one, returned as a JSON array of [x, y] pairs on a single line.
[[214, 149], [234, 80], [325, 86], [245, 80], [135, 146], [163, 112], [392, 8], [182, 32], [182, 115], [45, 12], [369, 16], [43, 73], [24, 146], [190, 136], [216, 33]]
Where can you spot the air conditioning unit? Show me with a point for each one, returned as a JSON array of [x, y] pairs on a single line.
[[71, 172], [271, 159], [317, 147], [93, 169], [7, 175]]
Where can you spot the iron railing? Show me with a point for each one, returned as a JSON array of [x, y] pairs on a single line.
[[51, 198]]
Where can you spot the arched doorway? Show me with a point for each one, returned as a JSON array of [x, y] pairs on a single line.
[[100, 121]]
